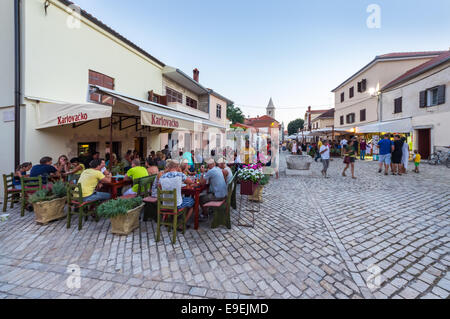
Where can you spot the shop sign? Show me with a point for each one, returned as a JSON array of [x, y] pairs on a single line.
[[62, 120], [161, 121]]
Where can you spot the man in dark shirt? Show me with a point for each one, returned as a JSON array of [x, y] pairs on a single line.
[[44, 169]]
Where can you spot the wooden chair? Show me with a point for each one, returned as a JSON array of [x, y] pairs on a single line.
[[76, 205], [11, 194], [29, 186], [222, 209], [167, 209], [150, 209]]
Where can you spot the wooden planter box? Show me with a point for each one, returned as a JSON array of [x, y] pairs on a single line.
[[46, 212], [257, 194], [247, 188], [126, 224]]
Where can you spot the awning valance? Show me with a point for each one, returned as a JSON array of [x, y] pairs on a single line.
[[53, 114], [398, 126]]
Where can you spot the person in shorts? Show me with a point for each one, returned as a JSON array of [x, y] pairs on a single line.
[[386, 148], [416, 159], [324, 152]]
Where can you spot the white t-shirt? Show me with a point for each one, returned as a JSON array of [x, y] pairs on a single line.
[[326, 154], [344, 142]]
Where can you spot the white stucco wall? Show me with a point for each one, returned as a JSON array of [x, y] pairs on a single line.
[[437, 117], [377, 76], [6, 53], [58, 58]]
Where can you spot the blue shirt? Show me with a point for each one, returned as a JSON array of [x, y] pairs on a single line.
[[42, 170], [217, 184], [385, 146]]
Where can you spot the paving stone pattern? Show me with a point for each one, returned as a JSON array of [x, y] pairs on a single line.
[[374, 237]]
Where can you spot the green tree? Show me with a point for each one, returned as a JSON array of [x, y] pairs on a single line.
[[234, 114], [295, 126]]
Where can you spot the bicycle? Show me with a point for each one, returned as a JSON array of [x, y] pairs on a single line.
[[440, 157]]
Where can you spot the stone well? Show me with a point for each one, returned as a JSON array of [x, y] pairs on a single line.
[[298, 164]]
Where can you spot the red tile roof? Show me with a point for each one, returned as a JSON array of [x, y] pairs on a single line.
[[444, 57], [327, 114], [262, 121]]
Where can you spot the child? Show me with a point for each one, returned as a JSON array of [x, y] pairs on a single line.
[[416, 159]]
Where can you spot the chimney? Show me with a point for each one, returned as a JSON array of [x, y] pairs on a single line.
[[196, 74]]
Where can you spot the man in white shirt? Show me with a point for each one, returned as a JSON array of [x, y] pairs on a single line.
[[325, 154]]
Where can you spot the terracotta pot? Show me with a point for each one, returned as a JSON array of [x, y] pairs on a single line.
[[247, 188], [257, 194], [126, 224], [46, 212]]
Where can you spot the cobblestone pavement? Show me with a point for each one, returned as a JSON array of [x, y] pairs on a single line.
[[374, 237]]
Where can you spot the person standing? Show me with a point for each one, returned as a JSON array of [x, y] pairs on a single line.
[[405, 157], [386, 148], [397, 155], [319, 145], [350, 157], [325, 154], [417, 159], [363, 148], [294, 148]]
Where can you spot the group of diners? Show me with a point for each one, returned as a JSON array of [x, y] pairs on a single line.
[[175, 175]]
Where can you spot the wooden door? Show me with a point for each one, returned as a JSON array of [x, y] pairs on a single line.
[[424, 143]]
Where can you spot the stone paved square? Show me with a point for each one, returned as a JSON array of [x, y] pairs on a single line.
[[374, 237]]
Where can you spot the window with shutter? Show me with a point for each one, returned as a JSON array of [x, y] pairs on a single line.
[[362, 115], [96, 78], [174, 96], [398, 105], [219, 111], [352, 92], [441, 95], [342, 120], [359, 87], [191, 102], [423, 99], [364, 85], [342, 97]]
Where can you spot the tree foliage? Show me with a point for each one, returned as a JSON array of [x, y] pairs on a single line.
[[295, 126], [234, 114]]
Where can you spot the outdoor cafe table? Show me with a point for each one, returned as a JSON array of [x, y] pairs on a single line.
[[195, 191], [114, 187]]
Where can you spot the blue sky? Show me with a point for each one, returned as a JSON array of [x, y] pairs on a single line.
[[295, 51]]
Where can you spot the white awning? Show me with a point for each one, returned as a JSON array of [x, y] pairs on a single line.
[[53, 114], [157, 115], [398, 126]]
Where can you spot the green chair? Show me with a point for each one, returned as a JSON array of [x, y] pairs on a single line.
[[11, 194], [29, 186], [150, 209], [168, 213], [76, 205], [222, 209]]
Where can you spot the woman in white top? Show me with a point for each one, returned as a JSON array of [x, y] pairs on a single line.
[[294, 148], [405, 156]]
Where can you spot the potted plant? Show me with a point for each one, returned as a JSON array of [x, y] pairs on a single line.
[[48, 204], [124, 214], [257, 194], [249, 177]]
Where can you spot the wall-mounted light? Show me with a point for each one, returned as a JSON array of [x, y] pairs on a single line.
[[46, 5]]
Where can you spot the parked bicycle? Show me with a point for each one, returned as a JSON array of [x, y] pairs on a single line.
[[440, 157]]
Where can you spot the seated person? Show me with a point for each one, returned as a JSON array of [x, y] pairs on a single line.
[[44, 169], [76, 169], [20, 172], [134, 173], [156, 182], [184, 167], [218, 190], [152, 169], [226, 170], [173, 179], [91, 179]]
